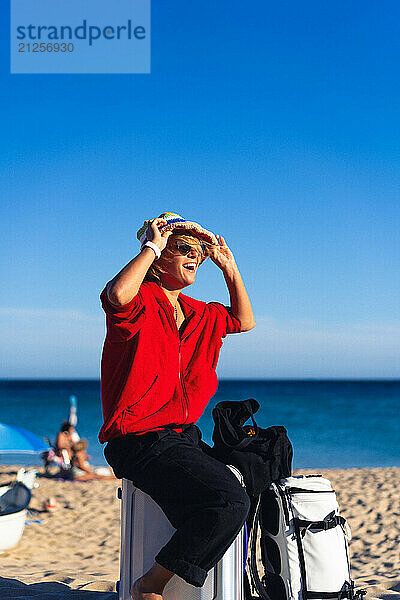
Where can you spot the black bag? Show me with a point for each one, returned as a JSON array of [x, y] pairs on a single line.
[[261, 455]]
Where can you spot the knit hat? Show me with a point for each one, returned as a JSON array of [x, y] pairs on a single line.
[[175, 221]]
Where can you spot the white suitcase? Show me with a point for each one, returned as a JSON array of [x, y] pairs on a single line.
[[145, 530]]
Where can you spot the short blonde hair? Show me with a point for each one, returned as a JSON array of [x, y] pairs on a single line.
[[160, 266], [80, 445]]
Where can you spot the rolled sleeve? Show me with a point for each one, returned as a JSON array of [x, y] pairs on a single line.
[[123, 321], [227, 322]]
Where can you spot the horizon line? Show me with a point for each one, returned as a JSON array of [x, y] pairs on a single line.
[[222, 379]]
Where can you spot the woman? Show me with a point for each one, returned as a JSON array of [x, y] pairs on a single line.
[[81, 469], [158, 374]]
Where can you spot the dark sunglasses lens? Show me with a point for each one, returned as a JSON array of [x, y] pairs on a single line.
[[184, 249]]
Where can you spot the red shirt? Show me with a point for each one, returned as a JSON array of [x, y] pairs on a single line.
[[152, 375]]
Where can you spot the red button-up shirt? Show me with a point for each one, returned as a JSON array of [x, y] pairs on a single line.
[[152, 375]]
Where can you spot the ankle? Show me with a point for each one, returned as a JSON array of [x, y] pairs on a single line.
[[145, 585]]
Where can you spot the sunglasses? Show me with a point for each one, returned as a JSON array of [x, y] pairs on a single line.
[[184, 249]]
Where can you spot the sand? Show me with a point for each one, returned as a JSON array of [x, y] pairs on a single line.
[[74, 552]]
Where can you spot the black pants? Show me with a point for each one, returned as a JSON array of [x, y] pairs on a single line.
[[201, 497]]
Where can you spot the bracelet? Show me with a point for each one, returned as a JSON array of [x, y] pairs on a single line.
[[155, 248]]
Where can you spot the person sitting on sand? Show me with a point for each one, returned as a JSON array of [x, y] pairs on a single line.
[[158, 374], [81, 469]]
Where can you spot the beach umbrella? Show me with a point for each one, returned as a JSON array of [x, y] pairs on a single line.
[[73, 410], [15, 440]]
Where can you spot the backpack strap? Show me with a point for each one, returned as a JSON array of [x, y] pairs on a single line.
[[328, 595], [252, 563], [329, 522]]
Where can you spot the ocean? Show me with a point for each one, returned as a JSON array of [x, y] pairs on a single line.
[[332, 424]]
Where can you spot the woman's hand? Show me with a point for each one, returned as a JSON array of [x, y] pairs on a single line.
[[222, 255], [154, 234]]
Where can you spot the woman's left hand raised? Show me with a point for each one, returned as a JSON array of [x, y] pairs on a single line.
[[222, 255]]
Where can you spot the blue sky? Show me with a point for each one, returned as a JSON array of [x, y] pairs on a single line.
[[274, 124]]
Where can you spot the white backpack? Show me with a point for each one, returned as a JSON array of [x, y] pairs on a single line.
[[303, 542]]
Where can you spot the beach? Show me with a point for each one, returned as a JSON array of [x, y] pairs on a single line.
[[74, 552]]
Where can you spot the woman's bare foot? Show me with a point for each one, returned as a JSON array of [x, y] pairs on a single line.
[[151, 585], [138, 592]]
